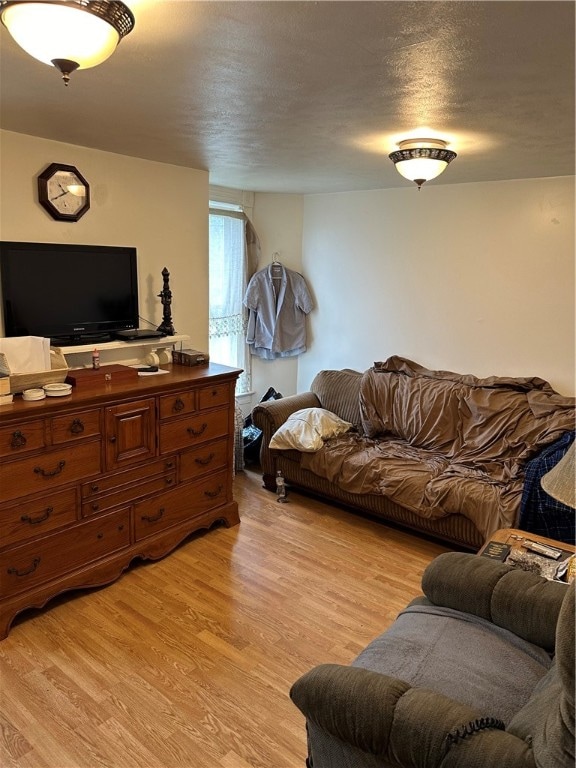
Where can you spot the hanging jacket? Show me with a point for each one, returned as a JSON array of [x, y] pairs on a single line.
[[278, 300]]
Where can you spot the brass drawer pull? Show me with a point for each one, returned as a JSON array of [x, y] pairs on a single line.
[[197, 432], [52, 473], [206, 461], [178, 405], [77, 427], [153, 518], [213, 494], [18, 440], [16, 572], [35, 520]]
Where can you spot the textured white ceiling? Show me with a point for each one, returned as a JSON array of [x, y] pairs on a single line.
[[311, 96]]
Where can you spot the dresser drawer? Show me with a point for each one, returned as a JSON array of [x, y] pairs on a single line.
[[205, 458], [128, 494], [34, 518], [211, 397], [75, 426], [177, 405], [24, 567], [119, 480], [49, 470], [20, 439], [184, 433], [183, 503]]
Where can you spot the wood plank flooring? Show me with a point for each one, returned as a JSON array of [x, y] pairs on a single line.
[[187, 662]]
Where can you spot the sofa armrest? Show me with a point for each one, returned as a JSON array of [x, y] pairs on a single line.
[[523, 603], [270, 415], [403, 726]]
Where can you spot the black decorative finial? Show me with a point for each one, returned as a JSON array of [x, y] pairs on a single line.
[[165, 296]]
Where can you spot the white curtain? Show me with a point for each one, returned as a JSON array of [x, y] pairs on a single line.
[[228, 281]]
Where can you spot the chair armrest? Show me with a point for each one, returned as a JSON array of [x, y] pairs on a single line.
[[524, 603], [270, 415], [403, 726]]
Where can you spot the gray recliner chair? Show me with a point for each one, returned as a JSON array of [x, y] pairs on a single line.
[[478, 673]]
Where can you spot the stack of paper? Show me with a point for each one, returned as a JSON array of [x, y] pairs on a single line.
[[26, 354]]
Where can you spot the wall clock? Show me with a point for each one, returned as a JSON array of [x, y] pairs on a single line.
[[63, 192]]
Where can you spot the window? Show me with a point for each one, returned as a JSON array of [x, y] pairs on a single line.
[[228, 280]]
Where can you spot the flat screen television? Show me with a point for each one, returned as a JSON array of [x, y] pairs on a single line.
[[72, 294]]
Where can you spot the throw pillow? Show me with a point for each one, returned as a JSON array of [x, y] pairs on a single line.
[[306, 430]]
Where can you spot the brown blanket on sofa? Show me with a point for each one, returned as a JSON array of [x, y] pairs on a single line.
[[441, 443]]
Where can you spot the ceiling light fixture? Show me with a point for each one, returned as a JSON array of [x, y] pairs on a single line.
[[421, 159], [69, 34]]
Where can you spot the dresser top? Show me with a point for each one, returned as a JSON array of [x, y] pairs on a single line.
[[178, 377]]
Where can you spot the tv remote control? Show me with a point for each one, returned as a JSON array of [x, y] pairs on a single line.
[[543, 549]]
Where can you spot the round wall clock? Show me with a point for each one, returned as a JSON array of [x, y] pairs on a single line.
[[64, 192]]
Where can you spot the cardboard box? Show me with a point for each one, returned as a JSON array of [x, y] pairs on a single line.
[[84, 378]]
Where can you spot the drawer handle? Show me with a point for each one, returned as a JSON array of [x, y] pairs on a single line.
[[94, 488], [169, 465], [16, 572], [178, 405], [214, 393], [112, 439], [77, 427], [99, 535], [213, 494], [50, 473], [18, 440], [169, 480], [95, 507], [154, 518], [197, 432], [35, 520], [204, 462]]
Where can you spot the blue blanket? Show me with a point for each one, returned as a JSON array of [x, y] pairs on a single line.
[[539, 512]]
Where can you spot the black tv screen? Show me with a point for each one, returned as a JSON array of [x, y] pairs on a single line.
[[68, 293]]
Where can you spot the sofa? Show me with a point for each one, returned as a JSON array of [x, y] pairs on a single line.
[[477, 673], [435, 451]]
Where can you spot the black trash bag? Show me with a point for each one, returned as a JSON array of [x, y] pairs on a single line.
[[251, 435]]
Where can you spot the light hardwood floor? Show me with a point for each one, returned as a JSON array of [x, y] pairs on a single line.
[[187, 662]]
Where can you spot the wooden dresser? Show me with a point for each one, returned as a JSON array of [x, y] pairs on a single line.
[[112, 472]]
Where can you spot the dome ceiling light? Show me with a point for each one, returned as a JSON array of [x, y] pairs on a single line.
[[421, 159], [68, 34]]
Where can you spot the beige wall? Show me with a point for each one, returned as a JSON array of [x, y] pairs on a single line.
[[475, 278], [161, 209], [277, 219]]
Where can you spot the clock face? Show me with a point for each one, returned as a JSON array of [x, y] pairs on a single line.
[[64, 192]]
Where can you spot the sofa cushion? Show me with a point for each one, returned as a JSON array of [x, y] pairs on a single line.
[[306, 430], [523, 603], [445, 651], [387, 466], [339, 392], [507, 422], [421, 480], [411, 404]]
